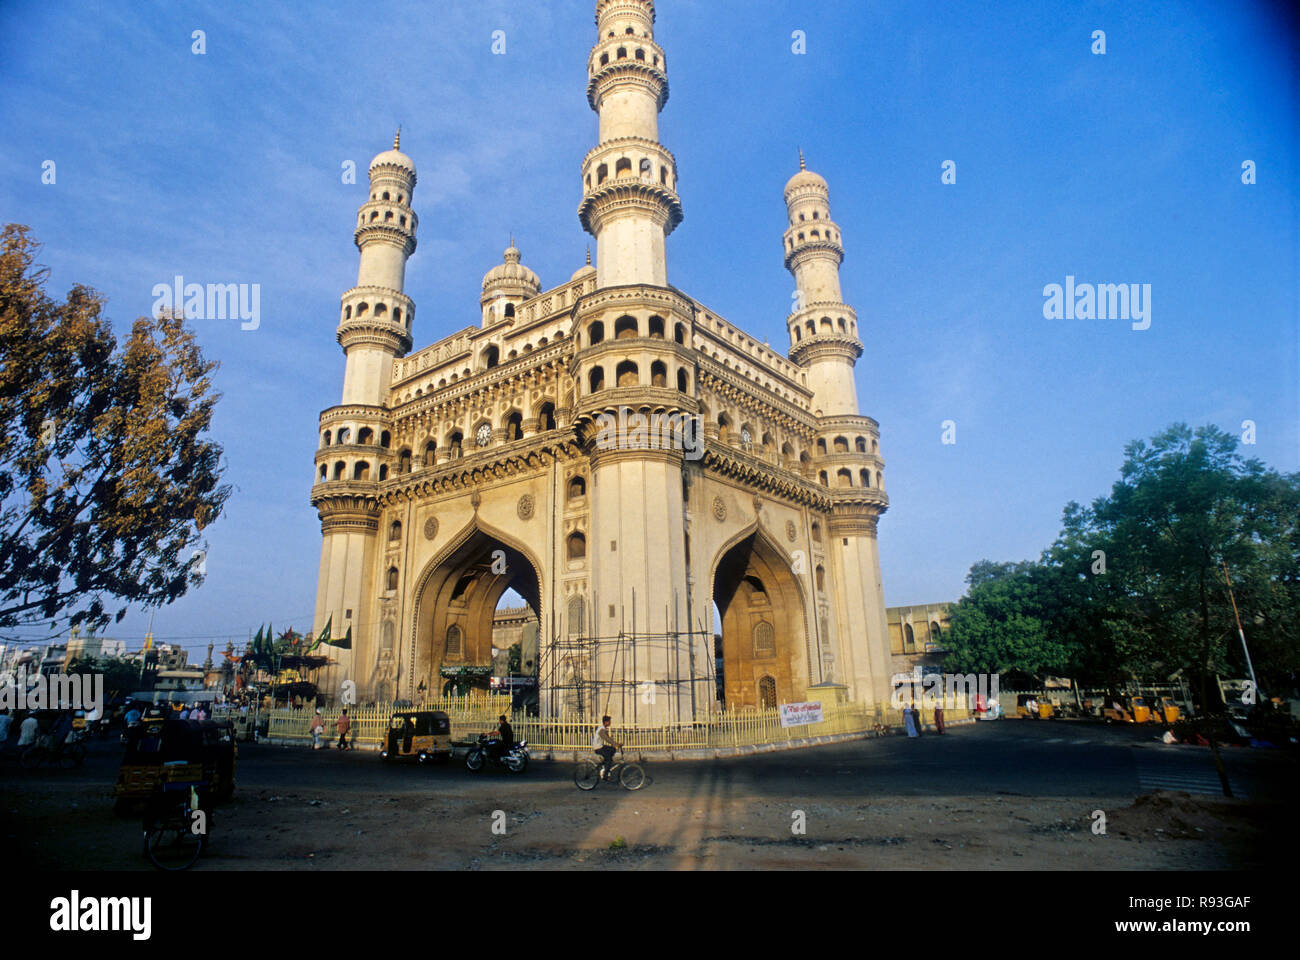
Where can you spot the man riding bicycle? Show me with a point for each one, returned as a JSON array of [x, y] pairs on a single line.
[[605, 745]]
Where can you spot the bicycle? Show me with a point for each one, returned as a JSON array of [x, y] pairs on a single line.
[[174, 838], [628, 775]]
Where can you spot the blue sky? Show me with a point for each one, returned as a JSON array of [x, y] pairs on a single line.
[[1125, 167]]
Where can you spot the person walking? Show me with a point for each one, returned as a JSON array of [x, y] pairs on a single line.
[[938, 717], [909, 720], [344, 723], [317, 724], [28, 731]]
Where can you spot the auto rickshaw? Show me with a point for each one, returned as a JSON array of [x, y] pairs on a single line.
[[206, 746], [1127, 710], [423, 734], [1167, 711], [1030, 707]]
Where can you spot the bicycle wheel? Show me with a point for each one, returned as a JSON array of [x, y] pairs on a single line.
[[586, 775], [632, 776], [170, 842]]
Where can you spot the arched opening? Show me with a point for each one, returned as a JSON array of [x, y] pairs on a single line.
[[392, 578], [657, 328], [843, 477], [546, 417], [576, 546], [325, 439], [627, 374], [679, 334], [821, 447], [761, 608], [430, 453], [595, 333], [366, 435], [658, 374], [625, 328], [395, 531], [473, 606], [596, 379], [404, 460], [682, 384], [860, 445], [864, 477], [456, 445], [577, 488], [623, 167], [385, 440], [515, 426], [361, 471], [491, 356], [841, 445]]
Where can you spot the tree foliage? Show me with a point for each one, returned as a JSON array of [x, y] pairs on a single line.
[[107, 476]]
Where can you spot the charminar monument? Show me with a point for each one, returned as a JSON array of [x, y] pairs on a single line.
[[611, 450]]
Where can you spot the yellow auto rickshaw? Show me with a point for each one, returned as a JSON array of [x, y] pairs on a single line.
[[1127, 710], [1030, 707], [1167, 710], [423, 734]]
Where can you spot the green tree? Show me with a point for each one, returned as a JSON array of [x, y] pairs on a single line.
[[1000, 625], [106, 476]]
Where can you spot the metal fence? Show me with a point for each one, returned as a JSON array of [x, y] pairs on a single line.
[[471, 716]]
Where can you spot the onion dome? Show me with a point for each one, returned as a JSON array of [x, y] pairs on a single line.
[[583, 272], [394, 157], [512, 276], [805, 178]]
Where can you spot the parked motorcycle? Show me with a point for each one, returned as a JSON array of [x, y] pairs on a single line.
[[515, 759]]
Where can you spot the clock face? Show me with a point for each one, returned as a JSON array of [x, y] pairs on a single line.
[[484, 435]]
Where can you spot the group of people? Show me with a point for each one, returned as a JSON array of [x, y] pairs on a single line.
[[29, 729], [343, 724], [913, 723]]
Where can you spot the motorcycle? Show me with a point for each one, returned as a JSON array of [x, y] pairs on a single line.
[[514, 759]]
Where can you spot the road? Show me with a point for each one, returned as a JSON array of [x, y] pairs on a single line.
[[1002, 795]]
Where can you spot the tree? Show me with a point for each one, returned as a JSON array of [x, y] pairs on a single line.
[[106, 475], [1000, 625]]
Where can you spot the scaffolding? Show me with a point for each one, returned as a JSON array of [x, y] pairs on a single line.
[[638, 677]]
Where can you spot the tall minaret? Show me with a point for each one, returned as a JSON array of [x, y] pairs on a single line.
[[376, 323], [823, 329], [354, 451], [630, 203]]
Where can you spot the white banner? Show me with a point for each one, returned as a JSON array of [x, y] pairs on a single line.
[[798, 714]]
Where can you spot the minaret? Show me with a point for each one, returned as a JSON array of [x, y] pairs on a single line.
[[823, 329], [630, 203], [376, 322], [354, 451]]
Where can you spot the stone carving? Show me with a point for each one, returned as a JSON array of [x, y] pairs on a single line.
[[790, 531], [719, 509], [525, 508], [430, 528]]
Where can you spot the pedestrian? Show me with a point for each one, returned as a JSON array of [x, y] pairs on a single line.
[[938, 717], [344, 724], [198, 713], [5, 722], [909, 720], [317, 728], [28, 730]]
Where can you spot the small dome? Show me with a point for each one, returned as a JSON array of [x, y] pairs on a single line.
[[805, 178], [584, 271], [512, 274], [394, 157]]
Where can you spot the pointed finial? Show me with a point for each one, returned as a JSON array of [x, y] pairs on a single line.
[[802, 165], [588, 254], [397, 138]]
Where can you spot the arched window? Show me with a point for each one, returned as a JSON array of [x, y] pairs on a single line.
[[392, 578], [595, 333], [577, 546], [657, 328], [509, 311], [325, 439], [385, 439], [821, 447], [934, 630], [767, 693], [645, 169], [577, 487], [864, 477], [366, 435], [515, 426], [821, 579], [682, 384], [404, 460], [627, 374], [383, 471], [455, 445], [625, 327], [345, 435], [490, 357], [827, 326], [843, 477], [395, 531], [679, 334], [841, 445], [455, 643], [764, 641], [817, 532], [909, 639], [860, 445], [324, 472], [602, 172], [546, 417], [822, 477], [361, 471], [596, 380], [879, 483], [577, 616], [430, 453], [658, 374], [622, 166]]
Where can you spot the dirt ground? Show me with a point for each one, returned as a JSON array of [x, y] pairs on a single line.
[[59, 825]]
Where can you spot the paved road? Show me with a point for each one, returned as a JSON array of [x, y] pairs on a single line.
[[1010, 757]]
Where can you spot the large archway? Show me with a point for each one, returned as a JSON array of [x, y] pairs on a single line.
[[762, 625], [457, 605]]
